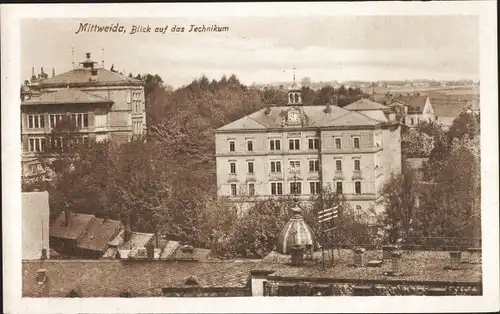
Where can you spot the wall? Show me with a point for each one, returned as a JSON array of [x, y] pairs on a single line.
[[35, 229], [272, 288]]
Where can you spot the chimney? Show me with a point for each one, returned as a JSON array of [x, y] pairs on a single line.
[[455, 258], [187, 249], [297, 255], [328, 109], [127, 235], [93, 74], [150, 251], [66, 218], [396, 265], [41, 276], [87, 54], [268, 110], [44, 254], [53, 72], [359, 257]]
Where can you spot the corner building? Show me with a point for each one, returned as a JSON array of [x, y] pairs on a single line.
[[104, 104], [299, 149]]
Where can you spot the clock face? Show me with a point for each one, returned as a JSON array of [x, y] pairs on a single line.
[[293, 116]]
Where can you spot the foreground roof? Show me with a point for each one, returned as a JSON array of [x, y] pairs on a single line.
[[100, 231], [314, 116], [82, 76], [66, 96], [78, 224], [109, 278]]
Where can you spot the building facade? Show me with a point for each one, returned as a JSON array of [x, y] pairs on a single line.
[[414, 109], [103, 104], [298, 149]]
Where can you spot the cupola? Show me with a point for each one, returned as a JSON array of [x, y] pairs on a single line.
[[294, 93], [296, 232]]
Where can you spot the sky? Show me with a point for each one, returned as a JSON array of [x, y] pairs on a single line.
[[266, 49]]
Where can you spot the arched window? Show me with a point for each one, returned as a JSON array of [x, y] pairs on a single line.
[[296, 97], [291, 97]]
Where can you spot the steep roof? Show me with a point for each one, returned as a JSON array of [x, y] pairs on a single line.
[[109, 278], [416, 103], [99, 233], [66, 96], [35, 228], [78, 223], [314, 116], [365, 104], [82, 76]]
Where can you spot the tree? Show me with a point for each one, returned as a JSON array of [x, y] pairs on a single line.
[[466, 123], [416, 144], [399, 200], [256, 231]]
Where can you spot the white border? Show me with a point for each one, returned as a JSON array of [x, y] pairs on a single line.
[[11, 169]]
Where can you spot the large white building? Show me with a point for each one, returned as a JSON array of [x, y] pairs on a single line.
[[297, 149]]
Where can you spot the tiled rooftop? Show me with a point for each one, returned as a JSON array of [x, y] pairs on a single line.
[[83, 76], [108, 278], [66, 96], [78, 223], [314, 116], [99, 233]]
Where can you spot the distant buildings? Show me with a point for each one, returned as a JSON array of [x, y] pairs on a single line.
[[298, 149], [413, 109], [103, 104], [35, 228]]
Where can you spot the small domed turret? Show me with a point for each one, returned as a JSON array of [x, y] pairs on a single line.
[[295, 232]]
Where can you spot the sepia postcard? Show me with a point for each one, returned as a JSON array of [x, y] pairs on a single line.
[[219, 157]]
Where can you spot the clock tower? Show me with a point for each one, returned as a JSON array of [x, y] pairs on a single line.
[[294, 93]]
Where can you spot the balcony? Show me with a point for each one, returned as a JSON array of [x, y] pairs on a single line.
[[338, 175], [356, 174]]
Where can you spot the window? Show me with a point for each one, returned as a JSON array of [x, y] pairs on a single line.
[[338, 143], [314, 187], [294, 144], [404, 120], [136, 101], [232, 167], [250, 167], [251, 189], [314, 143], [412, 121], [339, 187], [36, 121], [338, 165], [357, 187], [276, 188], [275, 145], [357, 165], [36, 144], [80, 119], [356, 142], [275, 166], [295, 188], [231, 146], [294, 166], [233, 189], [250, 146], [313, 165], [54, 118]]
